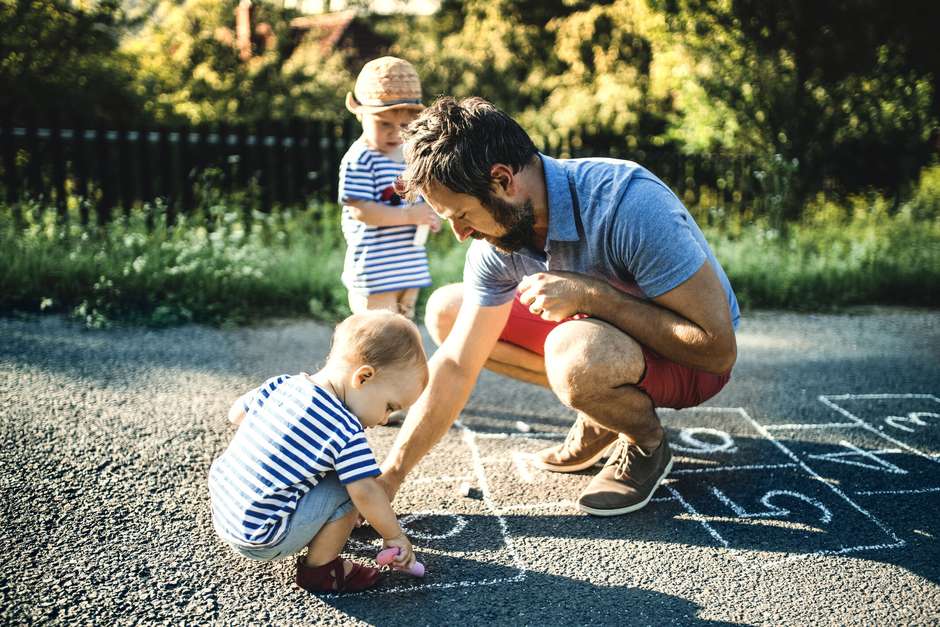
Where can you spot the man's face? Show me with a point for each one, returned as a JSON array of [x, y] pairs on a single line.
[[507, 225]]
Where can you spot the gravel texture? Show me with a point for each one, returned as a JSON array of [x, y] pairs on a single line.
[[107, 437]]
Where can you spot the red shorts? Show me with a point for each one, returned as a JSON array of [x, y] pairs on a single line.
[[666, 382]]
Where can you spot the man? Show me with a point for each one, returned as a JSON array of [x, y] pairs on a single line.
[[588, 276]]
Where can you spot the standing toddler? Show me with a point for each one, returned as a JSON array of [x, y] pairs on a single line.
[[386, 262], [299, 467]]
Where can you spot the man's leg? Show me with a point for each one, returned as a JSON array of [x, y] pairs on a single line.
[[587, 441], [506, 359], [595, 368]]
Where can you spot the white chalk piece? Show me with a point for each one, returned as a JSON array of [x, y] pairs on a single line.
[[524, 427], [421, 235], [464, 489]]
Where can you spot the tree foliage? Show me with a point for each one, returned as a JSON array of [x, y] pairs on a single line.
[[189, 68], [54, 52], [844, 91]]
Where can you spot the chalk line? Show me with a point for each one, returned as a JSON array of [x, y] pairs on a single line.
[[691, 471], [816, 425], [915, 491], [824, 399]]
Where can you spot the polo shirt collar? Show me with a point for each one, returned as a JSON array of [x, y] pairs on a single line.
[[561, 222]]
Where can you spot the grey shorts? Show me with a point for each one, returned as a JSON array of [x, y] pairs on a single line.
[[326, 502]]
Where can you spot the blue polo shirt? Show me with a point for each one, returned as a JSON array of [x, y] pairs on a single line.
[[609, 219]]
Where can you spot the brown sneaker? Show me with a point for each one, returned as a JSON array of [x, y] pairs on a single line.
[[586, 444], [628, 480]]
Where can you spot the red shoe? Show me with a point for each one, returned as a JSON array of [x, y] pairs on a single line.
[[331, 577]]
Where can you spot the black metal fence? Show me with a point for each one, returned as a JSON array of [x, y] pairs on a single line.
[[287, 164]]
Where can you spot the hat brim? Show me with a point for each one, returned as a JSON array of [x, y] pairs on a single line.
[[354, 106]]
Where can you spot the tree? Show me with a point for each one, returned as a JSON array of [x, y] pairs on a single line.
[[559, 66], [54, 52], [189, 69], [845, 92]]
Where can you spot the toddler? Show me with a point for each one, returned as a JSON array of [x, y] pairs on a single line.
[[299, 467], [386, 263]]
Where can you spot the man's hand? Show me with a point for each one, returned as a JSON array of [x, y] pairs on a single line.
[[556, 296]]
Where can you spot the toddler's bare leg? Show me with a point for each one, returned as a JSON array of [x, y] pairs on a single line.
[[382, 300], [407, 301], [330, 540]]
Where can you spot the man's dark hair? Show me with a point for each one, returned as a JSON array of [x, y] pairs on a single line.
[[457, 142]]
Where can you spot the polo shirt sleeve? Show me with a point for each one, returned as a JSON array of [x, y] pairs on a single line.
[[355, 460], [356, 179], [489, 276], [652, 238]]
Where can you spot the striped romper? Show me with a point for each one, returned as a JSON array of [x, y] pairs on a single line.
[[293, 433], [378, 258]]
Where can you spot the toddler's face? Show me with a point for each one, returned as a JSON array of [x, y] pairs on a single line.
[[386, 390], [382, 131]]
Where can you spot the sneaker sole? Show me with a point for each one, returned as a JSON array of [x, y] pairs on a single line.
[[630, 508], [604, 452]]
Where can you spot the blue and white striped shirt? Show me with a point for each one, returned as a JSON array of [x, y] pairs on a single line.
[[378, 258], [292, 434]]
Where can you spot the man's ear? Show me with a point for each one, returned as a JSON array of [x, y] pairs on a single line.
[[361, 375], [502, 179]]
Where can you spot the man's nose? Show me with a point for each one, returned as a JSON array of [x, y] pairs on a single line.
[[461, 231]]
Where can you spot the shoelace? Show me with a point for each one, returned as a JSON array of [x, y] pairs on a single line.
[[574, 435], [625, 455]]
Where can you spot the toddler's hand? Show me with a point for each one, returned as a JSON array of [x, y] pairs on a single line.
[[421, 213], [406, 554]]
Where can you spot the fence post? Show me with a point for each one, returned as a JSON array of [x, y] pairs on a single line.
[[167, 179], [125, 170], [315, 175], [298, 161], [144, 174], [33, 166], [187, 203], [264, 180], [58, 168], [106, 203], [80, 152], [11, 181]]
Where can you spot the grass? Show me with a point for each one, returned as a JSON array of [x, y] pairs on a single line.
[[218, 271]]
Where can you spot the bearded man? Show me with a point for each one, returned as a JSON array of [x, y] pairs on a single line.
[[587, 276]]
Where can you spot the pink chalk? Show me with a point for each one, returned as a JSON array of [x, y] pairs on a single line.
[[386, 557]]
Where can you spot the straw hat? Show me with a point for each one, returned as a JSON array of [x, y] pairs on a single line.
[[383, 84]]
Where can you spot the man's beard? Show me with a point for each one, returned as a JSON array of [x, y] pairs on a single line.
[[518, 220]]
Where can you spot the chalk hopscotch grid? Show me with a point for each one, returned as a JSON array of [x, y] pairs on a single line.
[[856, 422], [470, 438]]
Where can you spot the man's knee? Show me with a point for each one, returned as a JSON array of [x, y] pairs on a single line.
[[443, 306], [585, 359]]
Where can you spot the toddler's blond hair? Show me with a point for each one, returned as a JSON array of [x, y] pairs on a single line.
[[377, 338]]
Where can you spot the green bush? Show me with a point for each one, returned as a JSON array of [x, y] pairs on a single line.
[[212, 268]]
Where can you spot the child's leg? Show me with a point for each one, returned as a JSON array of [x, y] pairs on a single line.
[[330, 540], [382, 300], [407, 301]]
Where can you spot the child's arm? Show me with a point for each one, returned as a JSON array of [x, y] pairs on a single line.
[[379, 214], [372, 502], [236, 412]]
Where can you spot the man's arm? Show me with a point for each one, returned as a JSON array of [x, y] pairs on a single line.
[[454, 369], [690, 324]]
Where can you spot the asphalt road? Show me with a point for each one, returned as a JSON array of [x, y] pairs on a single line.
[[806, 492]]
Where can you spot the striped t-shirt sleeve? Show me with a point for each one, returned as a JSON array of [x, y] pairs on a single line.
[[355, 461], [356, 179]]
